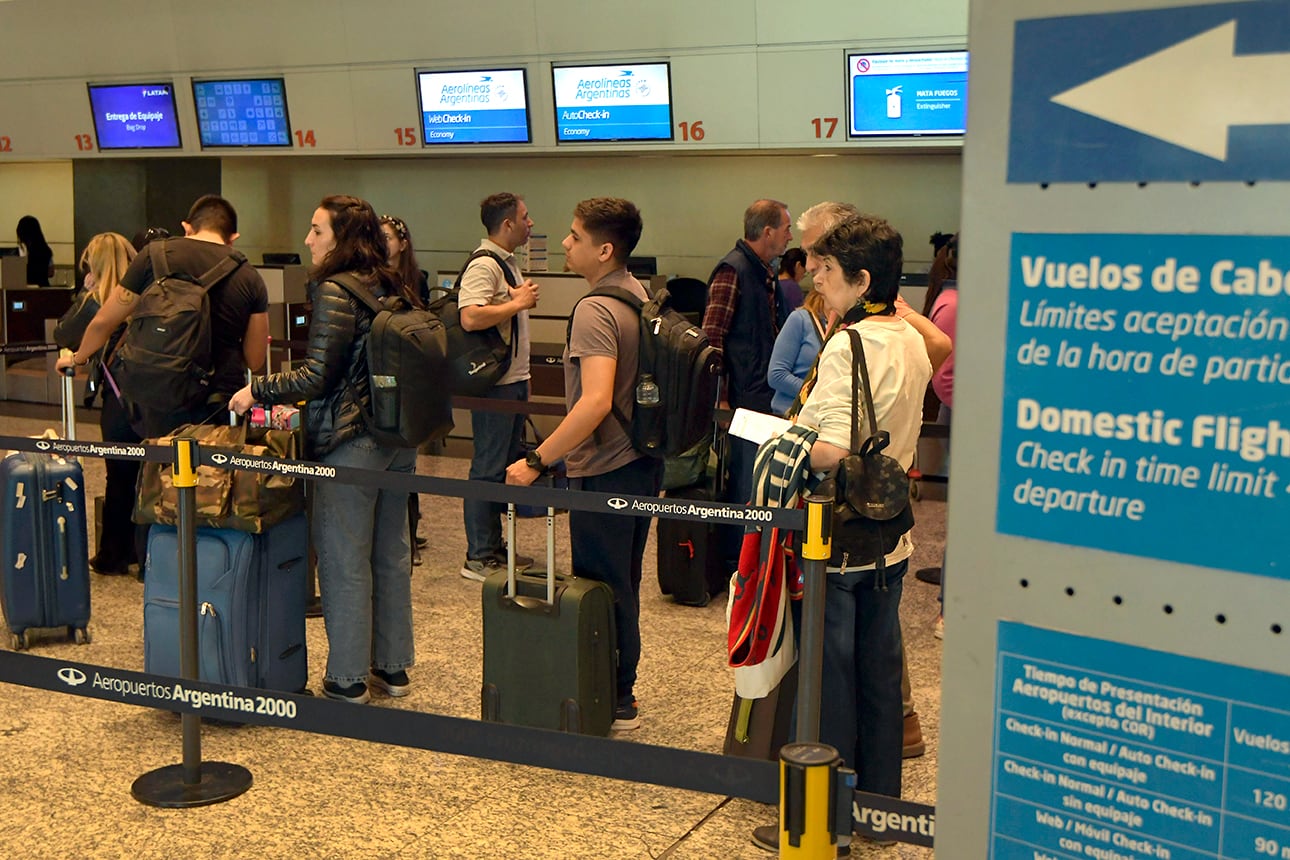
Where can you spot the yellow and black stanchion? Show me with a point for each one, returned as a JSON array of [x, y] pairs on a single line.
[[194, 782], [814, 787]]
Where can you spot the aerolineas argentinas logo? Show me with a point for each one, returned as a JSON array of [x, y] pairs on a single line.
[[71, 676]]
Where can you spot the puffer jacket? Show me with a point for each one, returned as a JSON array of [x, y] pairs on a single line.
[[333, 377]]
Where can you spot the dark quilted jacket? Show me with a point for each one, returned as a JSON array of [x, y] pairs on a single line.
[[333, 375]]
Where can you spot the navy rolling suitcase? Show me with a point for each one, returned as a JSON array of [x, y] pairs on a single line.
[[550, 647], [690, 567], [251, 595], [45, 546]]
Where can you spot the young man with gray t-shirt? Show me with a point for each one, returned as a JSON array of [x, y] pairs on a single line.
[[600, 368]]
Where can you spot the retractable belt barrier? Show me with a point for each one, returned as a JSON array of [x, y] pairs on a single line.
[[406, 482], [587, 754], [879, 816], [27, 348]]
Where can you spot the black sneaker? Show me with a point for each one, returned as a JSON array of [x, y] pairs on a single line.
[[766, 837], [394, 684], [356, 693], [522, 562], [626, 717]]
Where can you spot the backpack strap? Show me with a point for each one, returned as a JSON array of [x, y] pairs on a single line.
[[484, 252], [619, 293], [351, 284], [157, 257], [635, 303], [860, 367], [222, 269], [510, 282], [211, 277]]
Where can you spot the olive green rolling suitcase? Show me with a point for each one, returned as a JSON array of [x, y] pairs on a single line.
[[549, 646]]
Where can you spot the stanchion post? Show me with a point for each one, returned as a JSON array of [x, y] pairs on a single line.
[[193, 782], [814, 816], [817, 546]]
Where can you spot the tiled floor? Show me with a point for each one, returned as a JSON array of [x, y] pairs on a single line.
[[66, 763]]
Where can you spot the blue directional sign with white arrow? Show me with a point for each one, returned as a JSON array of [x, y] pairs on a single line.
[[1192, 93]]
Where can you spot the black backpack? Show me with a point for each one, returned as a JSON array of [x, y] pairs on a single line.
[[165, 360], [407, 359], [478, 358], [685, 367]]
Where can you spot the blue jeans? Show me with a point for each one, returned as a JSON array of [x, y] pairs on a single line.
[[497, 445], [364, 565], [740, 457], [611, 549], [861, 714]]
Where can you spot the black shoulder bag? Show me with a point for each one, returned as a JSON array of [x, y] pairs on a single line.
[[870, 490]]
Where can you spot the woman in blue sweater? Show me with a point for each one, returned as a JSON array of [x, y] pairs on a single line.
[[795, 349]]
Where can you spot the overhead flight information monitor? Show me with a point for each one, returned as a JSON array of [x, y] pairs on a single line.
[[907, 94], [242, 112], [613, 102], [487, 106], [135, 116]]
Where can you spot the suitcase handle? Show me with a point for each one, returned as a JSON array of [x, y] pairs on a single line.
[[69, 406], [529, 602]]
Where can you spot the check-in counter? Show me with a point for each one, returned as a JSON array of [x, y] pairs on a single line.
[[289, 309], [29, 317]]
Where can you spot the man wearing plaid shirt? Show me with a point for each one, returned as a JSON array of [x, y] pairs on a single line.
[[741, 322]]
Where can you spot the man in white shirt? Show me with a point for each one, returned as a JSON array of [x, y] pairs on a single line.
[[487, 299]]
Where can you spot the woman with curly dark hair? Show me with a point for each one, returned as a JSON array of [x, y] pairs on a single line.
[[360, 533]]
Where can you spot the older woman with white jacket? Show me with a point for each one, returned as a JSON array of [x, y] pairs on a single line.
[[857, 267]]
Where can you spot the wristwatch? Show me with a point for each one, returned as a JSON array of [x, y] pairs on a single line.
[[534, 461]]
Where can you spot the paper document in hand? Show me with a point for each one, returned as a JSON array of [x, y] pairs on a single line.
[[757, 427]]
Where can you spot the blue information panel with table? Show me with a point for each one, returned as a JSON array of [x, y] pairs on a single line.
[[1111, 751], [242, 113]]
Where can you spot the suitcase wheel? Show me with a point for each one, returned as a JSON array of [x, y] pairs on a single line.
[[79, 635], [18, 641]]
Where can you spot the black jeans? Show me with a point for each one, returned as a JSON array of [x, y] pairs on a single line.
[[610, 548], [121, 542]]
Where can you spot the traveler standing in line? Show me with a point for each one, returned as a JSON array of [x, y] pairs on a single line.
[[403, 259], [600, 368], [815, 222], [105, 260], [239, 313], [40, 257], [856, 266], [360, 533], [792, 268], [741, 322], [796, 347], [487, 300]]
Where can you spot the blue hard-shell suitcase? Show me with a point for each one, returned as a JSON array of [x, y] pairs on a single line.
[[251, 594], [46, 549]]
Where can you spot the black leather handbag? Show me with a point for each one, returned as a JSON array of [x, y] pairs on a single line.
[[870, 490]]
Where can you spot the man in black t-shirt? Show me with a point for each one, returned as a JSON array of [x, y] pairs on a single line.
[[239, 307]]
